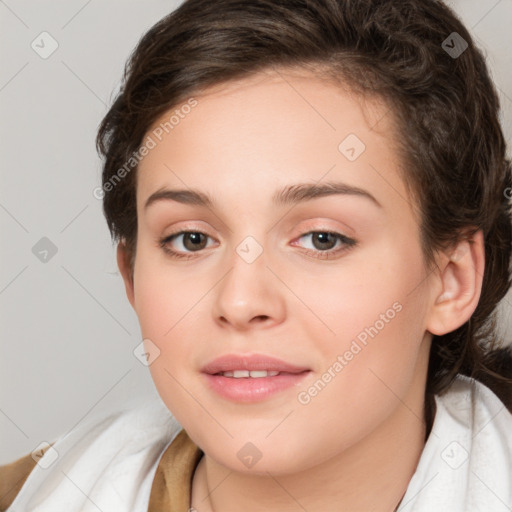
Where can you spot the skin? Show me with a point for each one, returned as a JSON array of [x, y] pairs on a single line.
[[356, 444]]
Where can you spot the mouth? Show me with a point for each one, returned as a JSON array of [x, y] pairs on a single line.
[[251, 378], [254, 374]]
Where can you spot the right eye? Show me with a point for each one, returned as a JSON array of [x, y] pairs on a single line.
[[192, 240]]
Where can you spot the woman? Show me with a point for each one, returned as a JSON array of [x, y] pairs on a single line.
[[311, 209]]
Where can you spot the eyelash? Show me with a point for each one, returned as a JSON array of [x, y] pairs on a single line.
[[349, 243]]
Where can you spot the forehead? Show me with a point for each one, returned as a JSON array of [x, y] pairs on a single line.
[[248, 137]]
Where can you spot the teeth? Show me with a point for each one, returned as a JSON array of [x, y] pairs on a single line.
[[237, 374]]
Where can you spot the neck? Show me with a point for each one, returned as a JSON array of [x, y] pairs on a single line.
[[372, 475]]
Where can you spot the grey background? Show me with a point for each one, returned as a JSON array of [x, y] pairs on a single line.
[[67, 330]]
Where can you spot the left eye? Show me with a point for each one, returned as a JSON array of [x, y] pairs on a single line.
[[325, 240], [194, 241]]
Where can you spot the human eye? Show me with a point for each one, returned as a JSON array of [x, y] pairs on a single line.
[[194, 240], [324, 243]]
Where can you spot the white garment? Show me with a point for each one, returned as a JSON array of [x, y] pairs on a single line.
[[106, 464], [109, 464], [466, 465]]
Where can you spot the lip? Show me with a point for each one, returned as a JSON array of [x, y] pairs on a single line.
[[247, 390], [230, 362]]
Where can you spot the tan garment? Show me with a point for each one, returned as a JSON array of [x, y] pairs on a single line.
[[172, 484], [13, 476]]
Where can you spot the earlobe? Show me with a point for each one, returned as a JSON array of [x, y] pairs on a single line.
[[126, 272], [461, 281]]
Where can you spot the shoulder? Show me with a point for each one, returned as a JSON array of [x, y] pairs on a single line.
[[109, 455], [467, 459], [476, 406]]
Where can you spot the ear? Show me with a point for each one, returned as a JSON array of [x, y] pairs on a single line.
[[461, 285], [123, 262]]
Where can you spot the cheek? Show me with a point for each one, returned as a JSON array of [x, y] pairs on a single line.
[[165, 296], [373, 294], [375, 318], [166, 305], [368, 368], [166, 316]]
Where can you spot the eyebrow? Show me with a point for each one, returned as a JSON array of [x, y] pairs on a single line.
[[289, 195]]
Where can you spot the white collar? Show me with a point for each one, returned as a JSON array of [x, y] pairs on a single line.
[[466, 465]]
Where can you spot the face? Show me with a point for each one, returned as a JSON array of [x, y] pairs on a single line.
[[331, 283]]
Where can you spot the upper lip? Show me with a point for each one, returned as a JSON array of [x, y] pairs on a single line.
[[231, 362]]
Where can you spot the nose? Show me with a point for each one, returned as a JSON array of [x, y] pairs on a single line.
[[250, 295]]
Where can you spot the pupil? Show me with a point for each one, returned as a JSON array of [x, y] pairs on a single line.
[[195, 239], [324, 239]]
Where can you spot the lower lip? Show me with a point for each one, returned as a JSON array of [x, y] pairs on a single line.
[[247, 389]]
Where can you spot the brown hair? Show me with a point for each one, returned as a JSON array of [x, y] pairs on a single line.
[[442, 101]]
